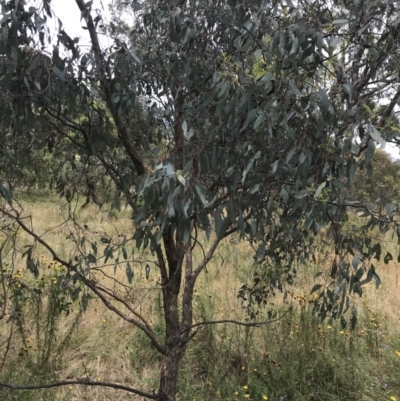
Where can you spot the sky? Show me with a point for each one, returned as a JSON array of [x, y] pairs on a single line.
[[67, 11], [393, 151]]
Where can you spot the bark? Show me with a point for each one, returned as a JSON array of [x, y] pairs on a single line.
[[174, 348], [177, 333], [169, 372]]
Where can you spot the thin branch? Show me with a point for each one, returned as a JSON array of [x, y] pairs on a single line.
[[385, 115], [238, 323], [8, 345], [84, 382], [123, 302], [63, 122], [3, 284], [202, 265], [206, 259], [147, 330], [87, 282], [63, 133], [18, 219]]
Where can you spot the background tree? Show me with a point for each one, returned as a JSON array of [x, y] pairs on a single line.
[[219, 117], [382, 188]]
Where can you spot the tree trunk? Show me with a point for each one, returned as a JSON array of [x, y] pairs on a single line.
[[169, 373], [171, 281]]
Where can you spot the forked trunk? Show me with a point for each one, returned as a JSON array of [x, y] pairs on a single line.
[[176, 341]]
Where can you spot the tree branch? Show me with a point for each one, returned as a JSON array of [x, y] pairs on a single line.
[[143, 326], [246, 324], [206, 259], [385, 115], [105, 85], [87, 282], [84, 382], [214, 246]]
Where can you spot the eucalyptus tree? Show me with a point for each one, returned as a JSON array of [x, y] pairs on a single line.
[[382, 188], [218, 117]]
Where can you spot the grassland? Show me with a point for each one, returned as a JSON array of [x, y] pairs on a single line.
[[294, 358]]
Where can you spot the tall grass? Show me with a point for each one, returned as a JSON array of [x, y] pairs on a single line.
[[294, 358]]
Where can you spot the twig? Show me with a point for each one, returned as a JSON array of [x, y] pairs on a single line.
[[8, 345]]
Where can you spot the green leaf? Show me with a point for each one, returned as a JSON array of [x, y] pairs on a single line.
[[275, 166], [59, 74], [370, 151], [260, 119], [324, 101], [285, 195], [221, 224], [91, 258], [200, 192], [315, 288], [351, 170], [6, 192], [366, 107], [84, 301], [319, 190], [340, 288], [348, 88], [340, 22], [295, 90], [356, 261], [185, 127], [375, 134], [388, 257], [372, 275], [129, 273], [136, 6], [124, 253], [32, 266]]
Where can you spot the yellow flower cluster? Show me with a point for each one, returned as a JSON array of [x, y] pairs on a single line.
[[247, 395]]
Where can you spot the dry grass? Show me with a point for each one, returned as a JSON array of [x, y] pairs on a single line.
[[105, 347]]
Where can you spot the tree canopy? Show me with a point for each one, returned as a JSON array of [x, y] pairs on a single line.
[[221, 117]]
